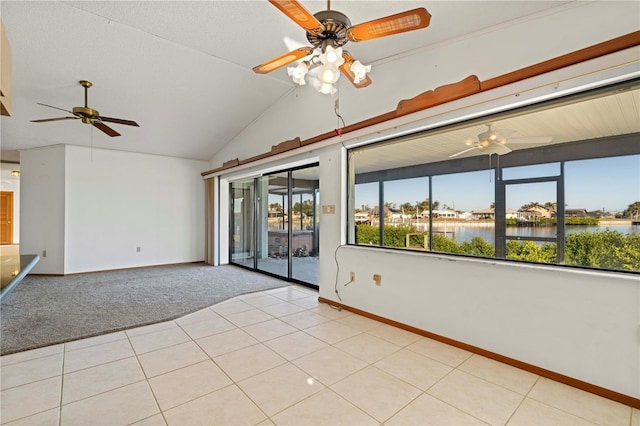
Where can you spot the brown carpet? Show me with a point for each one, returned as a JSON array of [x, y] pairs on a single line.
[[46, 310]]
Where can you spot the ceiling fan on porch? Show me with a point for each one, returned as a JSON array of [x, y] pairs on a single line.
[[328, 31], [89, 115], [493, 141]]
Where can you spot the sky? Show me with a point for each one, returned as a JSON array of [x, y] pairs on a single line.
[[606, 183]]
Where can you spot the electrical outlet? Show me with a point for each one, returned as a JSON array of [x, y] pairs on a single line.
[[138, 249], [44, 253], [353, 276], [377, 278]]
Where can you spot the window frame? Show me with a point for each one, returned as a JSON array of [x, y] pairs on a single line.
[[596, 148]]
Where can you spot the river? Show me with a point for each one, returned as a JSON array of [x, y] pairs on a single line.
[[465, 232]]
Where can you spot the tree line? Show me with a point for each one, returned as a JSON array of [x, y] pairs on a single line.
[[604, 249], [632, 210]]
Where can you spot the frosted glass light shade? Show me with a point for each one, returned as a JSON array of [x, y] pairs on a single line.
[[329, 74], [332, 56], [359, 71], [297, 73], [327, 89]]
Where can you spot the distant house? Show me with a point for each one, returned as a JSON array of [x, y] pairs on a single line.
[[448, 214], [361, 217], [491, 214], [398, 215], [534, 213], [575, 213], [445, 214], [376, 211], [527, 215], [510, 214], [483, 214]]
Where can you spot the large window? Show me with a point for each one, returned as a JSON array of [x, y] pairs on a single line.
[[556, 184]]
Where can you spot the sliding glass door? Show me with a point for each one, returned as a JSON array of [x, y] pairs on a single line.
[[275, 221], [273, 235], [305, 221], [242, 239]]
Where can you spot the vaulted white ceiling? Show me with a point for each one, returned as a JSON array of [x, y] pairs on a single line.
[[183, 70]]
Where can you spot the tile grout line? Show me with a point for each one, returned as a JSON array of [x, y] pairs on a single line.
[[562, 409], [426, 391], [233, 382], [64, 358], [146, 379], [290, 362]]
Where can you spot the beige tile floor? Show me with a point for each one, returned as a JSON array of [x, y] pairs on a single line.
[[280, 357]]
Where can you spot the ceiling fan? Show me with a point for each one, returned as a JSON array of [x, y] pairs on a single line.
[[328, 31], [494, 142], [88, 115]]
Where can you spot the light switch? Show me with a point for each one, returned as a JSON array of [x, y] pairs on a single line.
[[329, 209]]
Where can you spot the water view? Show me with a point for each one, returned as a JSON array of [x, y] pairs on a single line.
[[462, 232]]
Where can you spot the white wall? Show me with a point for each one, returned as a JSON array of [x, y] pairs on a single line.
[[117, 201], [108, 203], [305, 113], [580, 324], [42, 207], [12, 184]]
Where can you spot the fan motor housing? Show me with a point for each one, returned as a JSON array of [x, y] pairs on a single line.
[[335, 26], [87, 114]]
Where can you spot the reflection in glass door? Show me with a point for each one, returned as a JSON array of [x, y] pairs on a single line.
[[305, 194], [273, 217]]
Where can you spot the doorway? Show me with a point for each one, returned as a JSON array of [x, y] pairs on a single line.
[[537, 192], [6, 217], [274, 224]]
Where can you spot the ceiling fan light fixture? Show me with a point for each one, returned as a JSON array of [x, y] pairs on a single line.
[[329, 74], [327, 89], [332, 56], [359, 71], [327, 31], [324, 88], [298, 73]]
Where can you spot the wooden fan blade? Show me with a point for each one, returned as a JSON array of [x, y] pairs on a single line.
[[346, 70], [283, 60], [394, 24], [497, 149], [462, 152], [119, 121], [51, 106], [299, 15], [108, 130], [54, 119]]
